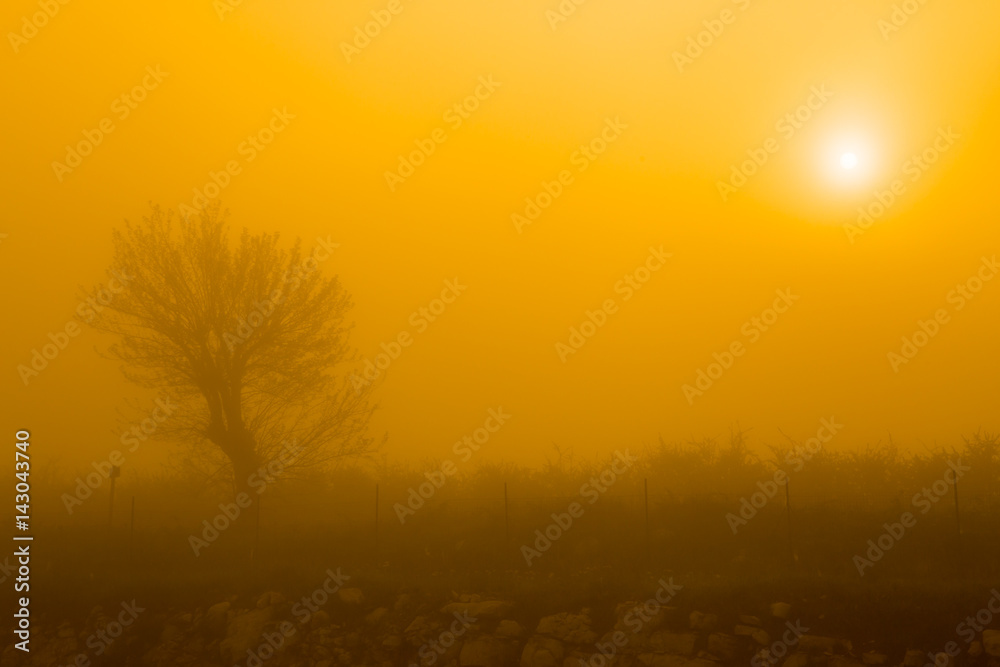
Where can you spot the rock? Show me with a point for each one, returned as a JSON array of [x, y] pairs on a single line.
[[991, 642], [402, 602], [269, 598], [392, 642], [661, 660], [509, 630], [481, 609], [723, 646], [542, 652], [749, 620], [244, 633], [570, 628], [818, 644], [216, 618], [842, 661], [703, 622], [351, 595], [976, 649], [874, 658], [913, 658], [483, 651], [780, 610], [320, 619], [757, 634], [377, 616], [797, 659], [420, 630], [678, 643]]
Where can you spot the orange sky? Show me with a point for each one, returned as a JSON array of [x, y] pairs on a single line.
[[628, 139]]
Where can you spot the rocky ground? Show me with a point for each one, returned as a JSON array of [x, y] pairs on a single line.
[[343, 627]]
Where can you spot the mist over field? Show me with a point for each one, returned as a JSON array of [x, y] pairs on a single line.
[[545, 333]]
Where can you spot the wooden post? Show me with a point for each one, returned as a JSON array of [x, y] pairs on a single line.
[[376, 517], [788, 513], [506, 517], [958, 528], [115, 473], [131, 534], [645, 503], [255, 554]]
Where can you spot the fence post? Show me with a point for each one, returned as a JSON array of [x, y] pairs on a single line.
[[788, 513], [131, 535], [115, 472], [645, 503], [958, 529], [506, 518], [254, 555]]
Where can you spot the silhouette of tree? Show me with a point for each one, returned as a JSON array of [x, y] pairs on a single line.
[[244, 337]]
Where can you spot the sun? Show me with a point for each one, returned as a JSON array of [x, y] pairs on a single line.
[[849, 160]]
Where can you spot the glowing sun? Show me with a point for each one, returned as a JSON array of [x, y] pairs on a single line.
[[849, 160]]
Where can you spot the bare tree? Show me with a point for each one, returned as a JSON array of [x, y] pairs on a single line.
[[245, 337]]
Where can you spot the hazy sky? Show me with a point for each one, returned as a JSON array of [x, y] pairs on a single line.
[[631, 124]]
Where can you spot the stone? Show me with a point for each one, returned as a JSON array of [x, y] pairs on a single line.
[[991, 642], [351, 595], [818, 643], [216, 618], [509, 629], [483, 651], [377, 616], [269, 598], [542, 652], [874, 658], [678, 643], [244, 633], [723, 646], [570, 628], [781, 610], [703, 622]]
